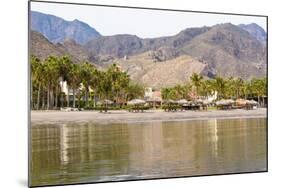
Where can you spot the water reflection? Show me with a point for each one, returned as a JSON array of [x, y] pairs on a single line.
[[74, 153]]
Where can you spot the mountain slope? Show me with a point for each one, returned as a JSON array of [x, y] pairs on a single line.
[[123, 45], [42, 48], [226, 49], [117, 45], [76, 50], [56, 29], [229, 51], [256, 31], [143, 69], [221, 50]]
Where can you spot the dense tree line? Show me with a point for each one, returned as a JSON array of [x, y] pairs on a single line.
[[87, 83], [226, 88]]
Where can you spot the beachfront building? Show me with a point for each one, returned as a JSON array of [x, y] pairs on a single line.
[[213, 97], [153, 97], [210, 98], [64, 88], [69, 92], [148, 93]]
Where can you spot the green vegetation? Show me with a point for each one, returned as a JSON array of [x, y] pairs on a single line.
[[88, 85], [86, 82], [176, 92], [233, 88]]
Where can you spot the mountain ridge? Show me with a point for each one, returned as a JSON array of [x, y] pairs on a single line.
[[56, 29], [255, 30], [220, 50]]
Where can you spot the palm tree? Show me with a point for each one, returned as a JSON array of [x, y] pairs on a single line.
[[64, 69], [74, 80], [113, 83], [122, 83], [105, 86], [238, 85], [196, 81], [230, 87], [172, 94], [37, 77], [52, 76], [165, 93], [94, 82], [219, 85], [87, 72], [259, 88], [206, 88], [180, 91], [247, 89], [134, 91]]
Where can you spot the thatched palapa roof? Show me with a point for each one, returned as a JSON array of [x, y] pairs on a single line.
[[136, 102]]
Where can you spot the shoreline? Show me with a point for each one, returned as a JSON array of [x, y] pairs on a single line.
[[122, 116]]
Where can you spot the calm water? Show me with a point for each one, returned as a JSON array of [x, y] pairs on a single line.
[[76, 153]]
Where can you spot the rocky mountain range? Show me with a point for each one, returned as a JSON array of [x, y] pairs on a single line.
[[256, 31], [56, 29], [223, 49]]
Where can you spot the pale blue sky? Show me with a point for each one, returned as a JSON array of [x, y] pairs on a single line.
[[143, 23]]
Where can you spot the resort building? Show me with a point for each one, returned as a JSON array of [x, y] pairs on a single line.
[[153, 98], [68, 91], [148, 92]]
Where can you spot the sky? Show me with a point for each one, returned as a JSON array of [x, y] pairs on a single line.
[[140, 22]]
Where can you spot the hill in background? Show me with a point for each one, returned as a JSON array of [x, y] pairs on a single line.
[[223, 49], [56, 29]]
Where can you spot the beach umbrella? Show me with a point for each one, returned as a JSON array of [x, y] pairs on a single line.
[[189, 102], [241, 102], [136, 102], [253, 102], [225, 102], [198, 101], [182, 101], [220, 102], [105, 101], [154, 99], [230, 101], [206, 102]]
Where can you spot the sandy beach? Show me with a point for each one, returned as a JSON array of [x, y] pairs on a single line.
[[122, 116]]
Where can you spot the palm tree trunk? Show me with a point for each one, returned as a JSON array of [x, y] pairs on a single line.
[[68, 97], [38, 97], [74, 97], [79, 100], [62, 100], [48, 98], [52, 101], [43, 100], [56, 100], [94, 99], [87, 96]]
